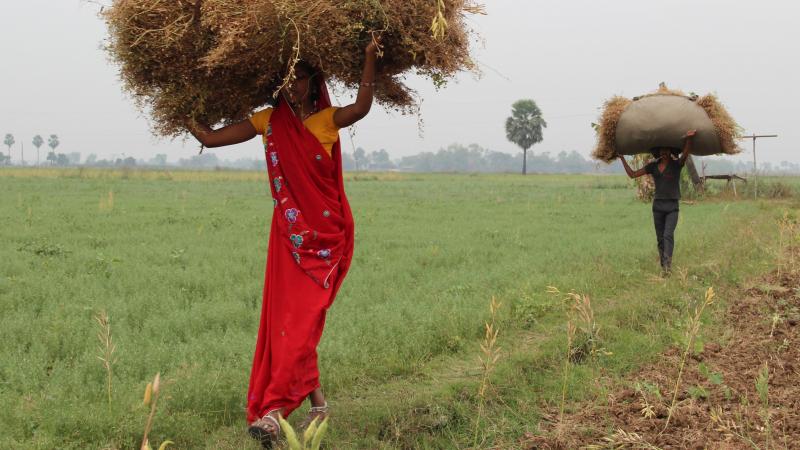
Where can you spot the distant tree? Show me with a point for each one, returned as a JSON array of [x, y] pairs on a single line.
[[502, 162], [206, 160], [9, 141], [52, 157], [380, 160], [62, 160], [421, 162], [348, 163], [90, 160], [361, 158], [74, 158], [37, 142], [53, 143], [159, 160], [524, 127]]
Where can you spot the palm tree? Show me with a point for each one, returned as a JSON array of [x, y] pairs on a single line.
[[37, 142], [524, 127], [53, 143], [9, 141]]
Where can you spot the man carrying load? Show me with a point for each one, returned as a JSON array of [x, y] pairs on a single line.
[[666, 172]]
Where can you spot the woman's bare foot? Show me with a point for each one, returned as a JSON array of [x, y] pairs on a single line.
[[319, 409], [315, 412]]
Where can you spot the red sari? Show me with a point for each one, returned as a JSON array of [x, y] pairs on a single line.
[[310, 249]]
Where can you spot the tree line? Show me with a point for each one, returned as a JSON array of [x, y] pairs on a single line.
[[474, 158], [456, 158], [524, 127], [38, 141]]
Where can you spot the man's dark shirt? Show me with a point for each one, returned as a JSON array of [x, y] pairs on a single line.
[[668, 182]]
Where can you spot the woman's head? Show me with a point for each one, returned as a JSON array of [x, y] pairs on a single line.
[[304, 87]]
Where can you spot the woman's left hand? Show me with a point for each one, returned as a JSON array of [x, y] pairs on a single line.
[[374, 47]]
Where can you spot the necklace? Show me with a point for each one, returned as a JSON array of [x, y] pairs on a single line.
[[303, 115]]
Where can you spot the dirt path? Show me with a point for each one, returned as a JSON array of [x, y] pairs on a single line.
[[719, 406]]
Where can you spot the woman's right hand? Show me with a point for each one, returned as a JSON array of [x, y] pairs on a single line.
[[229, 135]]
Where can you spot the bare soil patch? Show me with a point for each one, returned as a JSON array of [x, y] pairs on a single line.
[[719, 405]]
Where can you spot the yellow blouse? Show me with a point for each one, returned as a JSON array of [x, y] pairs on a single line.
[[320, 124]]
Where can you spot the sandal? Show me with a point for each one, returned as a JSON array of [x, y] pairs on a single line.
[[315, 412], [266, 430]]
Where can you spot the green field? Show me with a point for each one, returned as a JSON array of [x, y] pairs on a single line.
[[177, 262]]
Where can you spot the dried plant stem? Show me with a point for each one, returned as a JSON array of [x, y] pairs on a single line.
[[623, 439], [292, 62], [762, 388], [570, 337], [729, 426], [491, 354], [154, 388], [694, 328], [106, 348]]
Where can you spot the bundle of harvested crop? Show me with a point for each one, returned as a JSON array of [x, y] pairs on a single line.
[[216, 61], [660, 120]]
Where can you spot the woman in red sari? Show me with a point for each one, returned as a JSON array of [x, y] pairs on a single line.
[[311, 238]]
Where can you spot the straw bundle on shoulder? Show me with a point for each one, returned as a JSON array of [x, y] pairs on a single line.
[[216, 61], [607, 128], [659, 119], [728, 131]]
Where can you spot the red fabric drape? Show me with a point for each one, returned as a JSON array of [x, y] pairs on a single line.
[[309, 254]]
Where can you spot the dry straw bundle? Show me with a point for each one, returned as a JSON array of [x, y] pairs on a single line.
[[218, 60], [659, 119]]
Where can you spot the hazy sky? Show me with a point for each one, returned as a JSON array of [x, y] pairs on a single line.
[[568, 55]]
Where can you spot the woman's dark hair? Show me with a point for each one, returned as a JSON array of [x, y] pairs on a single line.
[[313, 74]]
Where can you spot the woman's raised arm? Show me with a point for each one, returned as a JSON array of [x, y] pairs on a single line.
[[350, 114], [232, 134]]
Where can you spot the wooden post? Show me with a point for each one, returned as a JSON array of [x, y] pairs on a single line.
[[755, 166], [696, 180]]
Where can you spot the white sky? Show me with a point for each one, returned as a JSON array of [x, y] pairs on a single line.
[[568, 55]]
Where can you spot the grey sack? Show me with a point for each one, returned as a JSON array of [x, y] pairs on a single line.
[[662, 121]]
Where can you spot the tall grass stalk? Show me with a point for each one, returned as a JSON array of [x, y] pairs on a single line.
[[153, 389], [107, 348], [762, 388], [490, 355], [789, 227], [570, 338], [691, 332], [579, 311]]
